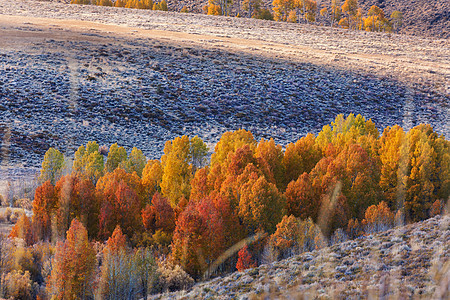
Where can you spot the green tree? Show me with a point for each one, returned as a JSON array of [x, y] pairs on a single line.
[[198, 151], [88, 161], [52, 166], [397, 20], [116, 155], [135, 163]]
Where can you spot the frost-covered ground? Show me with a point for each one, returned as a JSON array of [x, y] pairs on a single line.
[[410, 262], [70, 74]]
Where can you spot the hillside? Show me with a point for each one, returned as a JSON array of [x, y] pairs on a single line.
[[406, 262], [70, 74], [421, 17]]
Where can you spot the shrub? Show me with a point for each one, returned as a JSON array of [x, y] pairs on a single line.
[[171, 278], [8, 213], [24, 203], [18, 285]]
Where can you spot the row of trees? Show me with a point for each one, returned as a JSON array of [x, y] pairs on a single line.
[[198, 213], [138, 4], [346, 15]]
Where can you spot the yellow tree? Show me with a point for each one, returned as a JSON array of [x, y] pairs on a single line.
[[214, 8], [151, 177], [390, 157], [253, 7], [423, 180], [310, 7], [282, 8], [270, 161], [350, 7], [336, 12], [230, 142], [375, 20], [301, 157], [177, 171]]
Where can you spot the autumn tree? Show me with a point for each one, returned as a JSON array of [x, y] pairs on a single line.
[[76, 199], [229, 142], [74, 262], [350, 7], [116, 154], [201, 186], [376, 20], [302, 199], [393, 165], [350, 130], [120, 3], [335, 12], [285, 238], [252, 7], [378, 218], [176, 170], [181, 157], [300, 157], [358, 174], [19, 285], [245, 260], [282, 8], [310, 8], [118, 274], [52, 166], [270, 160], [120, 205], [6, 260], [159, 215], [23, 230], [423, 182], [199, 237], [261, 206], [294, 236], [88, 161], [214, 8], [45, 205], [152, 177]]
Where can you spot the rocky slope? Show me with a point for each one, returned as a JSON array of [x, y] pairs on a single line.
[[407, 262]]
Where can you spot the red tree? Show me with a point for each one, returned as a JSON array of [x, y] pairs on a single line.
[[245, 260]]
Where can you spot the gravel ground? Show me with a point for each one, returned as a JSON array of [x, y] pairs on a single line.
[[70, 74]]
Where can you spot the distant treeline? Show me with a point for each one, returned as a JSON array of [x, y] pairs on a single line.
[[139, 4], [187, 209], [346, 15]]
